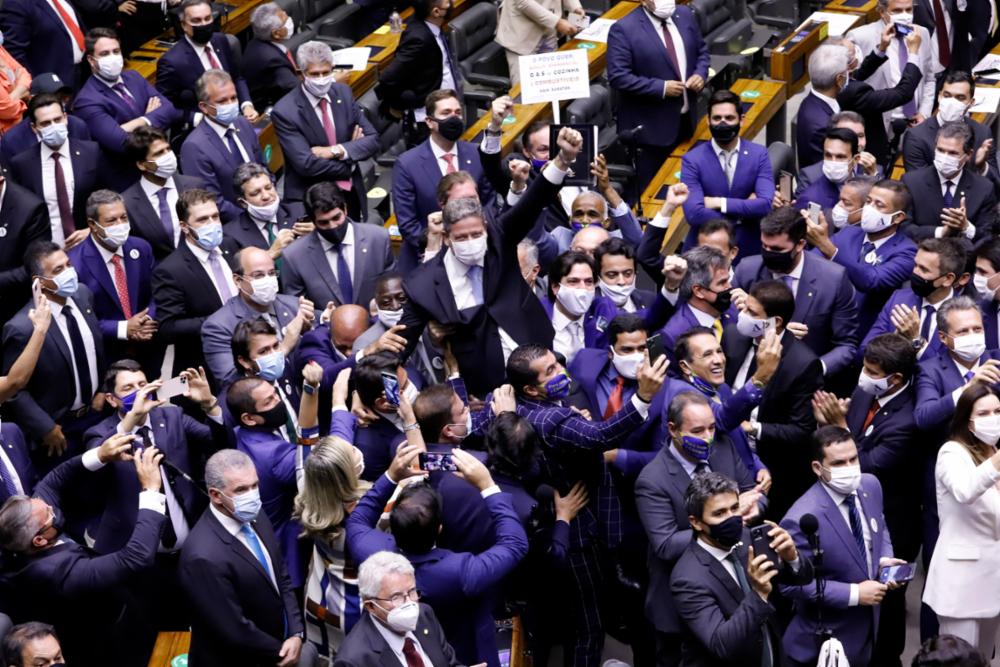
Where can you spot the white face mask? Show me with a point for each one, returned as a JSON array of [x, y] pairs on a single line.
[[627, 365], [664, 9], [981, 287], [751, 327], [264, 213], [389, 318], [166, 165], [289, 27], [115, 236], [870, 385], [874, 221], [906, 18], [265, 290], [840, 215], [617, 293], [947, 165], [836, 171], [110, 67], [403, 618], [576, 300], [469, 252], [987, 429], [951, 110], [845, 479], [970, 346], [318, 86]]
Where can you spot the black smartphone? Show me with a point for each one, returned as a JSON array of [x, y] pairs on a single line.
[[390, 383], [762, 543], [655, 346], [434, 462], [897, 574]]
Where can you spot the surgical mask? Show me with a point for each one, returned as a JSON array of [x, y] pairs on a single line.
[[469, 252], [664, 9], [209, 236], [906, 18], [202, 34], [627, 365], [264, 213], [264, 290], [844, 479], [779, 262], [225, 114], [840, 215], [921, 286], [698, 448], [947, 165], [410, 393], [751, 327], [128, 400], [115, 236], [871, 386], [467, 425], [246, 506], [67, 282], [537, 164], [54, 135], [617, 293], [275, 418], [951, 110], [724, 133], [981, 287], [836, 171], [970, 346], [403, 618], [874, 221], [576, 300], [110, 67], [289, 26], [557, 386], [987, 429], [451, 128], [1, 38], [727, 533], [166, 165], [389, 318], [270, 367], [319, 86]]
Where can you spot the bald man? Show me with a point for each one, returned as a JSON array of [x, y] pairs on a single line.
[[587, 239], [590, 211], [256, 297]]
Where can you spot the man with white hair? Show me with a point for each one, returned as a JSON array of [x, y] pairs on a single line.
[[828, 75], [242, 603], [323, 132], [268, 63], [394, 621]]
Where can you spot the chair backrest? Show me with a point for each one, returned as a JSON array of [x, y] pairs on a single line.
[[236, 51], [712, 14], [593, 110], [782, 158], [294, 9], [318, 8], [474, 28], [389, 131]]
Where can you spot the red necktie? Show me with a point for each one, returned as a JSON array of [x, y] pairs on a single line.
[[121, 286], [941, 32], [872, 411], [331, 135], [449, 158], [213, 61], [411, 653], [288, 54], [671, 52], [62, 197], [74, 27], [615, 399]]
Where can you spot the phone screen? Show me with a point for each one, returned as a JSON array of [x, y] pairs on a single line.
[[434, 462], [390, 383], [814, 211], [903, 30], [36, 291], [897, 573]]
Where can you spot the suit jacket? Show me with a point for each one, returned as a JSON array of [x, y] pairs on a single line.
[[873, 284], [21, 137], [937, 379], [243, 232], [523, 25], [990, 310], [872, 103], [466, 525], [85, 156], [638, 65], [919, 143], [683, 320], [50, 392], [457, 585], [217, 332], [843, 565], [239, 618], [810, 130], [178, 71], [414, 193], [725, 625], [595, 320], [299, 129], [702, 173], [364, 645], [16, 448], [145, 220], [820, 190], [659, 496], [206, 156], [883, 323], [928, 200], [24, 218], [825, 302], [36, 37], [416, 70], [269, 72]]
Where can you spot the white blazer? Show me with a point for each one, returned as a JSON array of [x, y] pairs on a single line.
[[962, 581]]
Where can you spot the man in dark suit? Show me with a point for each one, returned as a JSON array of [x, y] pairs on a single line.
[[387, 582], [61, 171], [658, 63], [24, 219], [44, 37], [16, 469], [987, 283], [152, 202], [825, 316], [323, 132], [828, 75], [49, 578], [616, 273], [841, 156], [200, 49], [31, 643], [194, 281], [55, 407], [21, 137], [707, 295], [115, 102], [579, 318], [118, 270], [232, 571], [265, 221], [268, 64], [720, 586], [339, 261], [221, 143], [784, 416], [949, 197], [475, 284]]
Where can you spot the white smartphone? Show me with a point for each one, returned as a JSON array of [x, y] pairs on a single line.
[[36, 292], [814, 211], [581, 22], [172, 387]]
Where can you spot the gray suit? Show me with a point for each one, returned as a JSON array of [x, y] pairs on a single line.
[[217, 332], [306, 267]]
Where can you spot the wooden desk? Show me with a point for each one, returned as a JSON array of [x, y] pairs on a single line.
[[170, 645], [764, 107], [790, 59], [866, 8]]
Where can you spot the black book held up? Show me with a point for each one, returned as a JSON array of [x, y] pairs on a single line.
[[580, 169]]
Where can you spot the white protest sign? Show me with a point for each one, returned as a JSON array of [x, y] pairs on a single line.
[[550, 77]]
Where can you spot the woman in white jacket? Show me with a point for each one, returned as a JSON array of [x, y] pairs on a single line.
[[962, 583]]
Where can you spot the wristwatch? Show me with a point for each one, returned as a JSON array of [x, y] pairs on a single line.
[[918, 343], [309, 389]]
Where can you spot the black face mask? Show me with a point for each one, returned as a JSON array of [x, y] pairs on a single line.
[[335, 235], [724, 133], [921, 286], [727, 533], [275, 418], [778, 262], [451, 128], [202, 34], [723, 300]]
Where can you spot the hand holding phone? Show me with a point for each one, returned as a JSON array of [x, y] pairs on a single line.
[[814, 211], [785, 186], [435, 462], [390, 384], [897, 574], [762, 543], [172, 387], [655, 346]]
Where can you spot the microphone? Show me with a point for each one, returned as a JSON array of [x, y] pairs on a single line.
[[628, 136], [810, 526]]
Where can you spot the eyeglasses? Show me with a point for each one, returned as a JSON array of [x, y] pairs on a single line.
[[412, 595], [49, 523]]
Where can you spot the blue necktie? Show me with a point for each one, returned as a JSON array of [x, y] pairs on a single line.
[[925, 327], [344, 275], [126, 96], [256, 547], [949, 198], [910, 108], [7, 474], [237, 157], [475, 276], [855, 519], [165, 218], [788, 283], [968, 376], [866, 248]]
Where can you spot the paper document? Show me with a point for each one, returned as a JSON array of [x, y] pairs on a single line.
[[836, 23], [986, 100], [991, 61], [356, 57], [597, 31]]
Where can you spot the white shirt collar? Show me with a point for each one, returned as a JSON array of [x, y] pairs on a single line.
[[348, 238], [151, 188], [716, 148], [109, 84], [456, 266], [883, 400], [954, 181], [795, 273], [106, 254], [962, 370], [717, 553], [202, 254], [704, 319], [560, 321], [837, 497], [313, 100], [831, 102], [440, 152], [689, 466], [935, 306], [395, 641], [219, 129], [656, 20], [878, 244], [434, 28], [198, 48], [231, 525], [48, 151]]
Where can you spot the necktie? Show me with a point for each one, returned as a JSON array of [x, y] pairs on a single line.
[[925, 326], [256, 547], [168, 538], [62, 197], [220, 277], [126, 96], [717, 327], [855, 519], [866, 248], [74, 27], [872, 411], [726, 159], [121, 286], [789, 283], [144, 440], [80, 359], [213, 61], [9, 487], [475, 277], [411, 653], [331, 135], [234, 148], [269, 231], [949, 197], [449, 159], [166, 219], [446, 47], [615, 399], [910, 108], [941, 33], [344, 275], [741, 575], [295, 66], [668, 41], [968, 376], [701, 467]]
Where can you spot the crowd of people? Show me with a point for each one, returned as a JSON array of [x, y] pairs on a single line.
[[231, 406]]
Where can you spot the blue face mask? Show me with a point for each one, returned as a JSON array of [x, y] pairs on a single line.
[[227, 113], [67, 283], [246, 506], [128, 400], [696, 447], [703, 386], [537, 164], [558, 386], [271, 366], [209, 236]]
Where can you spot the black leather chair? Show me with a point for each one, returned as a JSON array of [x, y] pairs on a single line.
[[782, 159], [725, 27], [482, 61]]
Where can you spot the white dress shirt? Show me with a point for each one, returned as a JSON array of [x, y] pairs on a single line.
[[829, 101], [233, 527], [203, 258], [106, 255], [347, 245], [568, 338], [12, 471], [795, 273], [439, 154], [962, 370], [221, 130], [727, 161], [447, 76], [49, 186], [838, 500], [150, 189], [202, 55], [396, 642], [678, 41], [68, 9], [88, 344]]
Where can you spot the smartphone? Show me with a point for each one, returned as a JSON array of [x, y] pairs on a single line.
[[433, 462], [762, 543], [785, 185], [342, 66], [902, 30], [577, 21], [814, 211], [390, 383], [655, 346], [897, 574], [987, 72], [36, 292], [173, 387]]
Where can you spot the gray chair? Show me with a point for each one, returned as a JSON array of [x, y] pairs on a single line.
[[726, 30], [483, 62], [332, 19], [782, 158]]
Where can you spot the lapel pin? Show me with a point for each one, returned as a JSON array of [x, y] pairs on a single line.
[[284, 314], [468, 162], [162, 425], [77, 152], [874, 524], [810, 294], [3, 232], [364, 250], [426, 631], [134, 253], [338, 100]]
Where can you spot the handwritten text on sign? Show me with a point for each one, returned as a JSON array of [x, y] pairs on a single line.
[[550, 77]]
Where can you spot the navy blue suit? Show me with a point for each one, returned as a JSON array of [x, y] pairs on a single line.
[[928, 199], [465, 518], [268, 72], [816, 188], [938, 377], [883, 323], [178, 71], [36, 37], [811, 123], [595, 320], [243, 232], [88, 174], [683, 320], [16, 448], [145, 220], [990, 310], [24, 218], [21, 137], [206, 155]]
